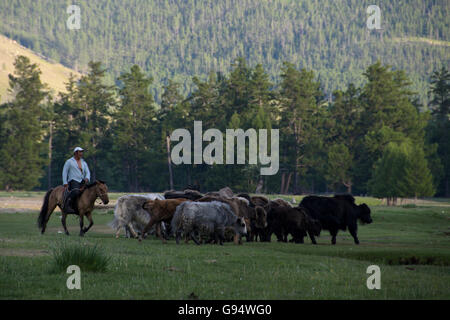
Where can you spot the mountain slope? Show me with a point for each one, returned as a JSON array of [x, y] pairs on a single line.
[[178, 39], [54, 74]]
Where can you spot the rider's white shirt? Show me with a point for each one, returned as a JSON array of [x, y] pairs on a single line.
[[71, 171]]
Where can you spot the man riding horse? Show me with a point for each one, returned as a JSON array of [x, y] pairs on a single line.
[[75, 175]]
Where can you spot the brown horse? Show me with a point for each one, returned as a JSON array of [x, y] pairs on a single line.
[[55, 197]]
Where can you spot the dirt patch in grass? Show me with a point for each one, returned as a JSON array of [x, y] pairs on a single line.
[[412, 203], [22, 252], [18, 204], [103, 229], [74, 228], [16, 210]]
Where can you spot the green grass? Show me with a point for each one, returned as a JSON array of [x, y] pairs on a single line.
[[411, 246], [88, 258]]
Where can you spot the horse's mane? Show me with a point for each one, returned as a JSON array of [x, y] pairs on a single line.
[[90, 185]]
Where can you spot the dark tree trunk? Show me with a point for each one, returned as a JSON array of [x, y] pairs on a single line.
[[260, 185], [447, 189], [50, 142], [295, 181], [349, 187], [136, 181], [288, 182], [94, 175], [283, 175], [265, 184], [129, 178], [169, 162]]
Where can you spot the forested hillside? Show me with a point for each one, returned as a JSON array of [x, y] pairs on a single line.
[[344, 98], [176, 39]]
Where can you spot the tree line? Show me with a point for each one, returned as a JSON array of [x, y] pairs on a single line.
[[370, 139]]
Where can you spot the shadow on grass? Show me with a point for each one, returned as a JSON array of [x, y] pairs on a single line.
[[390, 256]]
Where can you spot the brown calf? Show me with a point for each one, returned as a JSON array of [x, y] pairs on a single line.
[[160, 211]]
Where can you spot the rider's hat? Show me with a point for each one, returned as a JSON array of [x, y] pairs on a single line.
[[77, 149]]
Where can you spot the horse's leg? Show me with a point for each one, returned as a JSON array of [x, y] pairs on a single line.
[[91, 222], [81, 225], [63, 221]]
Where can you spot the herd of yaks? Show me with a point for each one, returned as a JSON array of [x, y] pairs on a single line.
[[221, 216]]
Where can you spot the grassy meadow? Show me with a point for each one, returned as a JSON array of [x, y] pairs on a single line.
[[410, 244]]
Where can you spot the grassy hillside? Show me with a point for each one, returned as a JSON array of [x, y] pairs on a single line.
[[54, 74], [411, 246]]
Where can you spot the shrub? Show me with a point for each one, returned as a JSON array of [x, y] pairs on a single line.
[[87, 257]]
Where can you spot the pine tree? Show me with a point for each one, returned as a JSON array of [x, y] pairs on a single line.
[[389, 116], [238, 84], [259, 99], [134, 119], [439, 126], [20, 161], [67, 121], [416, 180], [343, 132], [339, 165], [388, 173], [402, 172], [300, 115], [205, 102], [172, 115], [96, 101]]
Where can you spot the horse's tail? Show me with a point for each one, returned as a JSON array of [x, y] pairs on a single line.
[[44, 209]]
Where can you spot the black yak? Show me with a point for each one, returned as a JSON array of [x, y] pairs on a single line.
[[337, 213]]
